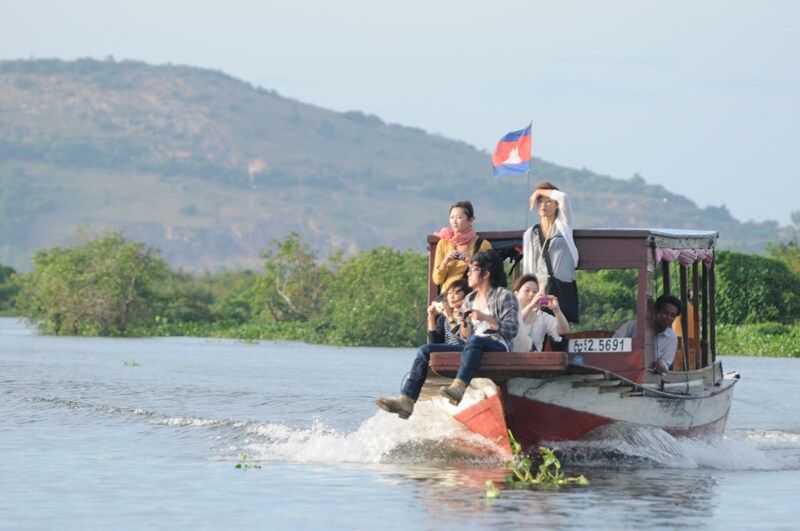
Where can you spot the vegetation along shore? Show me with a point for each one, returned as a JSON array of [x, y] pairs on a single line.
[[104, 284]]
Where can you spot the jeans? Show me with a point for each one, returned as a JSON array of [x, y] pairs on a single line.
[[471, 356], [419, 369]]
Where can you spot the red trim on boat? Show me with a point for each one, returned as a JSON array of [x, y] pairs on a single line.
[[533, 422], [486, 418]]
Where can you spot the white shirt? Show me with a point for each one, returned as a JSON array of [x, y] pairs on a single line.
[[563, 252], [542, 324], [666, 341], [533, 333]]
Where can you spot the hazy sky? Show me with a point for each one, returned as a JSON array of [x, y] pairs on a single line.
[[702, 97]]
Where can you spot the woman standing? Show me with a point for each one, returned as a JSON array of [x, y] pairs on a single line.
[[491, 320], [456, 246], [549, 250]]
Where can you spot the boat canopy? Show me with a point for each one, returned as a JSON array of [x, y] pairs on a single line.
[[667, 261]]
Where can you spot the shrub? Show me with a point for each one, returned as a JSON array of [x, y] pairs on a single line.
[[754, 289]]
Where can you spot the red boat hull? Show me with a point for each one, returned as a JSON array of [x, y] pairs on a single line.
[[534, 422], [541, 399]]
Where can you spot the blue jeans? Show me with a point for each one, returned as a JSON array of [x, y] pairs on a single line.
[[471, 356]]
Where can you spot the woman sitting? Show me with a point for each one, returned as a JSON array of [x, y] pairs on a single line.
[[444, 317], [456, 246], [536, 323], [491, 320]]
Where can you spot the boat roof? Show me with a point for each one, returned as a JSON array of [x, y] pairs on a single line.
[[654, 237], [672, 233], [607, 248]]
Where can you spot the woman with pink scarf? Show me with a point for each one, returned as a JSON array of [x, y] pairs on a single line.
[[456, 246]]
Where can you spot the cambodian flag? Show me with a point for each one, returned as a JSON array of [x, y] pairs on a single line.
[[513, 153]]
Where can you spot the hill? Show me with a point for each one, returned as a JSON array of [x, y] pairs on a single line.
[[210, 169]]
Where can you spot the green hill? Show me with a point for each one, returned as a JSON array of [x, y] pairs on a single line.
[[210, 169]]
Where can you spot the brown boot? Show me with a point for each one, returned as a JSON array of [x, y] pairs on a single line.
[[454, 392], [402, 405]]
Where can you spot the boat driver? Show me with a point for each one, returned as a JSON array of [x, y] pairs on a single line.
[[668, 307]]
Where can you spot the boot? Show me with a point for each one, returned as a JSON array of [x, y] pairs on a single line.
[[454, 392], [402, 405]]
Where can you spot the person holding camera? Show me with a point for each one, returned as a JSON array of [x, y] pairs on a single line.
[[456, 246], [490, 322], [444, 318], [536, 320]]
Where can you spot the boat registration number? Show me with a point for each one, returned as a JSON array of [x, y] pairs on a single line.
[[600, 344]]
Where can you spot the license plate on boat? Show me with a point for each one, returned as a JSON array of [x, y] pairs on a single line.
[[600, 344]]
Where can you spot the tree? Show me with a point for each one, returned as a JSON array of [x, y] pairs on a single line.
[[788, 253], [8, 290], [378, 299], [100, 285], [294, 283], [607, 297]]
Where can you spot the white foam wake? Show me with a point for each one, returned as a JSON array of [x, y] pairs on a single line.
[[631, 445], [430, 435]]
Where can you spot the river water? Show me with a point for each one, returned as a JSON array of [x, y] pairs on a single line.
[[100, 433]]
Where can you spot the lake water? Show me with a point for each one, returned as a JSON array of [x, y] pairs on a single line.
[[102, 433]]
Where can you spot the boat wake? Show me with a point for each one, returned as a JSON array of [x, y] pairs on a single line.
[[429, 436], [432, 437], [626, 445]]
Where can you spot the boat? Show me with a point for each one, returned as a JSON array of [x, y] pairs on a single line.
[[592, 380]]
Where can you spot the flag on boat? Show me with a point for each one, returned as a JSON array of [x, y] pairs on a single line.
[[513, 153]]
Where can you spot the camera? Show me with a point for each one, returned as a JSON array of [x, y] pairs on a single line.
[[460, 255], [439, 306], [544, 300]]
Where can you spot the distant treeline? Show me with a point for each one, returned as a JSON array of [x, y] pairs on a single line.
[[107, 285]]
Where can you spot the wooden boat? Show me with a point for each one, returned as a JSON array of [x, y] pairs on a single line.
[[591, 379]]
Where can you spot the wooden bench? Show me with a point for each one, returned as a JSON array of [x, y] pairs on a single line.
[[500, 366]]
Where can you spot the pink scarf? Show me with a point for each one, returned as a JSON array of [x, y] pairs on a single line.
[[458, 238]]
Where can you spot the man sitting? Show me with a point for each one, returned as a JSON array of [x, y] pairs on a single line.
[[490, 322], [668, 307]]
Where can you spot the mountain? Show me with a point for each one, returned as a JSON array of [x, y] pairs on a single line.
[[210, 169]]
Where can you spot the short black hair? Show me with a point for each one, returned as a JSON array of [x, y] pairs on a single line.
[[492, 262], [669, 299]]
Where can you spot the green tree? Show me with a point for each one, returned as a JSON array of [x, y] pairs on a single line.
[[186, 300], [788, 253], [236, 296], [378, 299], [607, 298], [294, 283], [101, 285], [8, 290], [754, 289]]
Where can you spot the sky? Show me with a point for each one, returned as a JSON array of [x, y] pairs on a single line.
[[701, 97]]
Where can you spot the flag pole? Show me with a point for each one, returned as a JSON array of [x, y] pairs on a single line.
[[528, 175], [527, 187]]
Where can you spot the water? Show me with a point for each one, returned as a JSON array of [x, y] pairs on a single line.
[[145, 434]]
